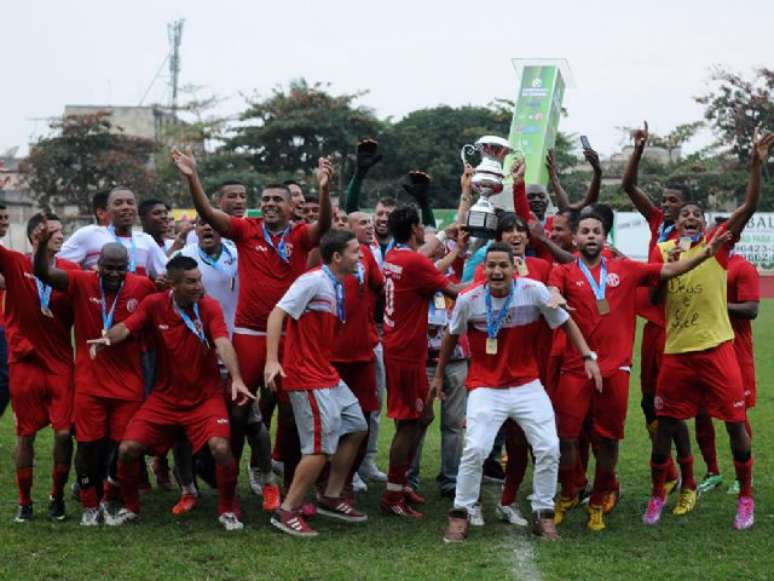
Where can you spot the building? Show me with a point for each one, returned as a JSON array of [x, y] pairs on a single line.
[[151, 122]]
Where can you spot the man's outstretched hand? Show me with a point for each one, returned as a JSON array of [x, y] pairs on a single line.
[[367, 155], [185, 162], [417, 186], [640, 136]]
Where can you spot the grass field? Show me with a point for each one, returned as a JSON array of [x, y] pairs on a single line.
[[701, 545]]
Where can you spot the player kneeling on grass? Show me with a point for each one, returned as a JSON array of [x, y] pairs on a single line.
[[502, 320], [328, 418], [188, 395]]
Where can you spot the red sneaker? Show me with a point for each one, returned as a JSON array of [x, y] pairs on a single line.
[[271, 497], [341, 509], [292, 523], [309, 510], [186, 504], [399, 508], [411, 496]]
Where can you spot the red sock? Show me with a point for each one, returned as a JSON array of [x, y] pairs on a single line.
[[705, 436], [397, 473], [658, 475], [604, 482], [514, 471], [686, 470], [226, 477], [128, 478], [59, 479], [748, 427], [744, 476], [89, 497], [110, 490], [567, 479], [672, 474], [24, 483]]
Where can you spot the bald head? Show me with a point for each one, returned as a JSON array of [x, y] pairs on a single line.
[[537, 196], [362, 225], [112, 265], [115, 251]]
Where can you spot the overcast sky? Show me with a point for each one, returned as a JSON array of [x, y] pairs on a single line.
[[631, 61]]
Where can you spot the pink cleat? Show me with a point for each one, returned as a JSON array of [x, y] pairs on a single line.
[[653, 512], [745, 513]]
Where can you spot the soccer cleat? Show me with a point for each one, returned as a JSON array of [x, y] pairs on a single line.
[[412, 497], [493, 471], [610, 501], [340, 508], [734, 488], [230, 522], [292, 523], [653, 511], [710, 482], [90, 517], [745, 513], [185, 504], [457, 529], [511, 514], [563, 506], [358, 484], [56, 509], [255, 478], [686, 502], [476, 516], [23, 513], [271, 497], [122, 517], [596, 520], [369, 471], [400, 509], [544, 525]]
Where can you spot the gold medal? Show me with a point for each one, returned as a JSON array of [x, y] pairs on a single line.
[[439, 302], [491, 345], [521, 267], [46, 312], [603, 307], [685, 243]]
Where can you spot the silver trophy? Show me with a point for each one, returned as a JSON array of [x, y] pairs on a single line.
[[487, 181]]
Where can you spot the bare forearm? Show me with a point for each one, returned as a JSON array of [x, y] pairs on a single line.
[[629, 183], [592, 193], [562, 200], [117, 333], [273, 333], [576, 337], [50, 275], [448, 345], [679, 267], [738, 220], [219, 220], [228, 356], [747, 310]]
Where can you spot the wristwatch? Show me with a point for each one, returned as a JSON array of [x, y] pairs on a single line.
[[590, 356]]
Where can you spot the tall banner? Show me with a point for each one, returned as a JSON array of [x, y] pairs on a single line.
[[536, 115]]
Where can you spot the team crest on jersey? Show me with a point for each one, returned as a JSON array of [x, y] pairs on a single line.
[[419, 405], [131, 305], [95, 300], [163, 327], [658, 402], [613, 280]]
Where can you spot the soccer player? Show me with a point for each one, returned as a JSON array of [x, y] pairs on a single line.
[[38, 321], [191, 336], [411, 281], [743, 298], [297, 200], [501, 319], [311, 209], [329, 420], [602, 292], [108, 386], [699, 368], [272, 254], [154, 217], [5, 395]]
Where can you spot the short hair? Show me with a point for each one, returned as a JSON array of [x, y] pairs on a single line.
[[118, 188], [507, 222], [179, 264], [37, 220], [312, 199], [99, 201], [277, 186], [589, 215], [401, 222], [536, 189], [499, 247], [289, 183], [679, 186], [684, 204], [605, 213], [146, 205], [219, 189], [334, 241], [387, 201], [572, 216]]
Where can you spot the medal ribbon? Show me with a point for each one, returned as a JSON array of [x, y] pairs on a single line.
[[107, 317], [196, 330], [597, 289], [281, 248], [664, 231], [339, 291], [44, 294], [493, 323], [132, 251], [215, 262]]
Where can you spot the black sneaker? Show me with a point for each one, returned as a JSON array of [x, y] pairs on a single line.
[[493, 471], [56, 509], [23, 513]]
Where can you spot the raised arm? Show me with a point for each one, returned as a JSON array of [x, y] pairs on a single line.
[[50, 275], [562, 199], [367, 156], [520, 201], [639, 198], [186, 164], [239, 392], [466, 197], [418, 187], [761, 145], [592, 193], [324, 220]]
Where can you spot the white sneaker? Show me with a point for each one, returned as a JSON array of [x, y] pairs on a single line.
[[511, 514], [277, 467], [369, 471], [256, 479], [122, 517], [357, 484], [476, 516], [90, 517], [230, 522]]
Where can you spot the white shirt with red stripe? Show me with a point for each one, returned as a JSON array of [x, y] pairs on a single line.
[[515, 362]]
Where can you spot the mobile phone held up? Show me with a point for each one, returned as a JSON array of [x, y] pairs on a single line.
[[585, 144]]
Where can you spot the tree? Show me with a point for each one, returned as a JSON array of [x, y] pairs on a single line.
[[85, 154]]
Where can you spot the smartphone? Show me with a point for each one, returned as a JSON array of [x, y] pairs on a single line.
[[585, 142]]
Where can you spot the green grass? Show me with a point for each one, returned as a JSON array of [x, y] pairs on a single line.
[[702, 544]]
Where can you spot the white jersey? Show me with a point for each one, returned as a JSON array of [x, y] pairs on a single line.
[[220, 279], [84, 246]]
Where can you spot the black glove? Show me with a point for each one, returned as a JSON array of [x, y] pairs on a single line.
[[417, 185], [367, 155]]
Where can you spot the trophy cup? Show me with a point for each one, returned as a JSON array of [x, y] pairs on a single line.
[[487, 181]]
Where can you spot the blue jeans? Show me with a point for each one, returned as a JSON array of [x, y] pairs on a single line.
[[5, 392]]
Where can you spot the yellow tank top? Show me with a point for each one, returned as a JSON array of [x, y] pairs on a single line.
[[696, 305]]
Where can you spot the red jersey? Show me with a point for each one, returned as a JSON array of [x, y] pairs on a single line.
[[411, 279], [116, 372], [515, 362], [743, 286], [361, 291], [188, 369], [264, 276], [537, 269], [30, 332], [311, 332], [610, 335]]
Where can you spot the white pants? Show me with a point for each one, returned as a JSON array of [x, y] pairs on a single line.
[[488, 408]]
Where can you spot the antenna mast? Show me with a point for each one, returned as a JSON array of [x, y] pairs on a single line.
[[175, 33]]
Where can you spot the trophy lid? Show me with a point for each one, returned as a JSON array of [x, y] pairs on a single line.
[[494, 140]]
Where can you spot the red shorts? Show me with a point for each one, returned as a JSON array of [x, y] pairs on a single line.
[[160, 423], [651, 352], [360, 378], [576, 397], [40, 398], [97, 417], [251, 354], [708, 379], [407, 388]]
